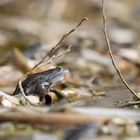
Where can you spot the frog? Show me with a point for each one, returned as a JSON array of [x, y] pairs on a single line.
[[41, 83]]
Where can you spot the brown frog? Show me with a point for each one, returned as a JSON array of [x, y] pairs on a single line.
[[41, 83]]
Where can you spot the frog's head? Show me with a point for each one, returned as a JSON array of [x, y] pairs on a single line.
[[57, 74]]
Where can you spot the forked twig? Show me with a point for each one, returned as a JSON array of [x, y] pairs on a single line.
[[66, 35], [56, 56], [58, 44], [110, 52]]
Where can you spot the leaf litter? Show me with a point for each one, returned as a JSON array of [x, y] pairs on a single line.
[[89, 102]]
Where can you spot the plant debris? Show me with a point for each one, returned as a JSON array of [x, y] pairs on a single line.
[[57, 80]]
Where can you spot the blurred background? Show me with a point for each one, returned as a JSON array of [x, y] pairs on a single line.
[[30, 28]]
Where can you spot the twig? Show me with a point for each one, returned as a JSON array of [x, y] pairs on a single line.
[[66, 35], [58, 44], [18, 115], [111, 55], [130, 103], [48, 62], [23, 94], [28, 116], [56, 56]]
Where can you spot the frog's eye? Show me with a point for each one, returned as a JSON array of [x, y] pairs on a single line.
[[59, 69]]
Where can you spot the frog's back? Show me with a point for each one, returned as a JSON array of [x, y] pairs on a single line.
[[31, 82], [31, 79]]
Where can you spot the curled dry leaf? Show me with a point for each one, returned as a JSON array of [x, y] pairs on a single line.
[[29, 100], [75, 94], [34, 99], [51, 98], [70, 95], [10, 101]]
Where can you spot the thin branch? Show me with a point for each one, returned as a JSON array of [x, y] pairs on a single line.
[[110, 52], [66, 35], [59, 42], [49, 118], [130, 103], [23, 94], [56, 56], [29, 116]]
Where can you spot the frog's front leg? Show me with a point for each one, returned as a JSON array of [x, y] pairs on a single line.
[[42, 89]]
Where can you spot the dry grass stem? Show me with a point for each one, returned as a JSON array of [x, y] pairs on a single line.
[[110, 52], [20, 115], [56, 56], [23, 94], [130, 103], [57, 46]]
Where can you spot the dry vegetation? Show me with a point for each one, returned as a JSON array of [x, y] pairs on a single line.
[[85, 96]]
